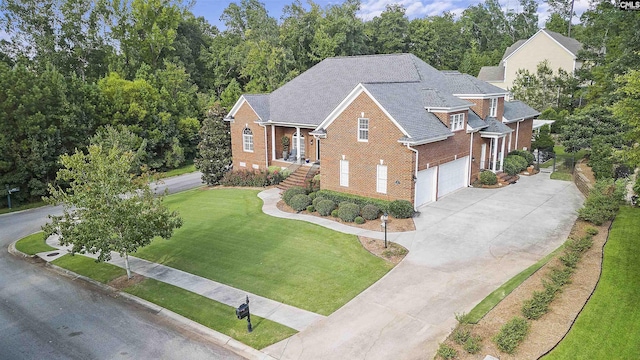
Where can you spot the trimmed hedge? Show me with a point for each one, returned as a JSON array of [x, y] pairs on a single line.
[[317, 199], [348, 212], [370, 212], [311, 208], [291, 192], [325, 207], [300, 202], [359, 220], [361, 201], [513, 164], [488, 178], [401, 209]]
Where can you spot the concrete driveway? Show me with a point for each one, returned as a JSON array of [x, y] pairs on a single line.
[[465, 245]]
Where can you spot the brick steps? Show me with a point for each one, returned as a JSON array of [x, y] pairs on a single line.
[[506, 179], [299, 177]]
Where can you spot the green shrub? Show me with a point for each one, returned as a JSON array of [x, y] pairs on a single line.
[[401, 209], [311, 208], [580, 245], [370, 212], [291, 192], [636, 186], [359, 220], [447, 352], [525, 154], [603, 202], [334, 213], [300, 202], [473, 345], [538, 305], [488, 178], [461, 335], [338, 197], [348, 212], [592, 231], [513, 164], [570, 259], [312, 195], [275, 175], [601, 158], [317, 199], [463, 318], [511, 335], [325, 207], [562, 276]]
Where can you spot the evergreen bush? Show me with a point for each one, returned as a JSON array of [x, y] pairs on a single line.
[[401, 209]]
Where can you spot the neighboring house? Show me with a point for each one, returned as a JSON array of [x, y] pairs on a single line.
[[382, 126], [560, 51]]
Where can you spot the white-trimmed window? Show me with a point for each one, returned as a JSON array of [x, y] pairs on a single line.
[[381, 183], [456, 121], [493, 107], [344, 173], [363, 129], [247, 140]]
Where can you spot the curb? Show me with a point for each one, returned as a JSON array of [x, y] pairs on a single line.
[[216, 337]]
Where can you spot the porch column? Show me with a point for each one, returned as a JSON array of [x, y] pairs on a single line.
[[494, 156], [273, 142], [517, 133], [510, 141], [298, 144], [502, 154]]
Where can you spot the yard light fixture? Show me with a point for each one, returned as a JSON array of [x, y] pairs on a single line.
[[384, 219]]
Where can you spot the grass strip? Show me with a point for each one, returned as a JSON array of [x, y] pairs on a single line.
[[557, 175], [185, 169], [33, 244], [609, 325], [210, 313], [27, 206], [488, 303], [102, 272]]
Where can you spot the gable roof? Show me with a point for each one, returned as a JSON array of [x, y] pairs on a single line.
[[312, 97], [517, 110], [572, 46]]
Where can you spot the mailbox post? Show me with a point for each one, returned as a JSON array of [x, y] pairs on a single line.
[[9, 192], [243, 312]]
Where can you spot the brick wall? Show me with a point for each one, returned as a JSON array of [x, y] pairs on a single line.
[[524, 132], [363, 157], [481, 107], [246, 117]]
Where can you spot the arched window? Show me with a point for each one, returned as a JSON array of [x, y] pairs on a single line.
[[247, 140]]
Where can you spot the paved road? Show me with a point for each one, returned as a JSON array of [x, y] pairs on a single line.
[[47, 316]]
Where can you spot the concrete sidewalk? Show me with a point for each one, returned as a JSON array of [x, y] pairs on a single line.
[[287, 315]]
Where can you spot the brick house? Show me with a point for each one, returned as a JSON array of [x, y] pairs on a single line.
[[382, 126]]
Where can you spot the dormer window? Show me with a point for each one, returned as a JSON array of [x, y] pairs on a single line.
[[456, 121], [493, 107]]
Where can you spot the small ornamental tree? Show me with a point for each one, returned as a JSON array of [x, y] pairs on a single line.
[[214, 149], [105, 208]]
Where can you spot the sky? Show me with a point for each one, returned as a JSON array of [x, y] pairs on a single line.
[[212, 9]]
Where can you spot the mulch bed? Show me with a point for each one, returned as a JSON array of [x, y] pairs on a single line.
[[394, 253], [393, 225], [122, 282], [547, 331]]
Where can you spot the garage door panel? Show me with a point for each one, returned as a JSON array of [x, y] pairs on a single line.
[[426, 186], [452, 176]]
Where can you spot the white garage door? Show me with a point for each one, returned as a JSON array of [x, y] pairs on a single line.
[[426, 186], [452, 176]]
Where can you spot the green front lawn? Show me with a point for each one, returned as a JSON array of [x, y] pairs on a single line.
[[227, 238], [33, 244], [609, 325], [212, 314], [187, 168]]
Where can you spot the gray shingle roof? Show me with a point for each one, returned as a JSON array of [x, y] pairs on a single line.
[[260, 104], [405, 102], [570, 44], [496, 127], [475, 122], [491, 73], [517, 110], [513, 48], [311, 97]]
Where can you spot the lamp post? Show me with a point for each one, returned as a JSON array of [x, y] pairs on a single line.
[[384, 219]]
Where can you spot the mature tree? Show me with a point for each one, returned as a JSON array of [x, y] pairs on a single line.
[[124, 139], [486, 25], [448, 42], [389, 32], [105, 208], [543, 140], [544, 88], [214, 149], [523, 24], [627, 109], [231, 94], [591, 121], [297, 31]]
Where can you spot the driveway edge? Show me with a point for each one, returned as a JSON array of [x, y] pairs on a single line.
[[216, 337]]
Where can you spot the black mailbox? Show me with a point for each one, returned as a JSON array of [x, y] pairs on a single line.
[[242, 311]]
